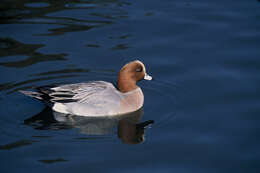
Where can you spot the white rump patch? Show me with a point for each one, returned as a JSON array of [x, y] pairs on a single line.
[[59, 107]]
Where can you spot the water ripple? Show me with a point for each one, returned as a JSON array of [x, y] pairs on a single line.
[[25, 12], [11, 47]]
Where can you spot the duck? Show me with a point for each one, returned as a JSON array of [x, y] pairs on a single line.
[[97, 98]]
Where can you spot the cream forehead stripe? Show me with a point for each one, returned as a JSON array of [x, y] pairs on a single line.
[[136, 61]]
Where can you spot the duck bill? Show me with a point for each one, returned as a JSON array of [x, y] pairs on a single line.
[[147, 77]]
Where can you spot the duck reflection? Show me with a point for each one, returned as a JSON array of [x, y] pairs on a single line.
[[128, 127], [131, 133]]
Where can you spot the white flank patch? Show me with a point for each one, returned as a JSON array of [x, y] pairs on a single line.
[[59, 107]]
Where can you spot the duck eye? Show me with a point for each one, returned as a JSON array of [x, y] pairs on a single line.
[[139, 69]]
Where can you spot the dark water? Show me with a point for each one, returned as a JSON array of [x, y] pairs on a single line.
[[204, 56]]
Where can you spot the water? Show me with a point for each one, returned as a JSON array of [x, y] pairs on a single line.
[[204, 100]]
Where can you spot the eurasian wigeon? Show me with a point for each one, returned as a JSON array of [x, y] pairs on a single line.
[[97, 98]]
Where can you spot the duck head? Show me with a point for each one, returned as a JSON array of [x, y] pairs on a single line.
[[131, 73]]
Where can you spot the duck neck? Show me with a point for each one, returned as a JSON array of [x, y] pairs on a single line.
[[126, 84]]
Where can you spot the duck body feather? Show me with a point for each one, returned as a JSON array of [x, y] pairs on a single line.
[[96, 98]]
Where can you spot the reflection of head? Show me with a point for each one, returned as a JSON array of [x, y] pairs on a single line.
[[131, 133], [128, 132]]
